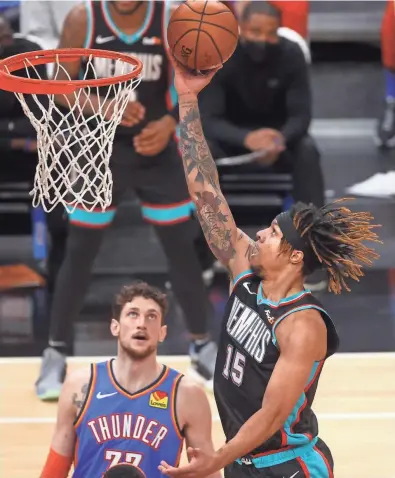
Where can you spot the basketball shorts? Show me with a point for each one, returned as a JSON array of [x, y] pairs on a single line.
[[315, 462], [158, 181]]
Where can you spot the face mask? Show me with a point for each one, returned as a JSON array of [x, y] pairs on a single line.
[[260, 51]]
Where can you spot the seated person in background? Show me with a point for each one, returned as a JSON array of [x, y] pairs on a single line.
[[17, 135], [385, 135], [44, 19], [260, 100], [294, 14]]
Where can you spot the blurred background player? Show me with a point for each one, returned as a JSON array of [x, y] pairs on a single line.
[[294, 14], [275, 336], [129, 409], [145, 157], [44, 19]]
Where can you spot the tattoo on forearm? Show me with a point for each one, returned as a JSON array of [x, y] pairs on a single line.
[[214, 225], [198, 162], [199, 166], [78, 399]]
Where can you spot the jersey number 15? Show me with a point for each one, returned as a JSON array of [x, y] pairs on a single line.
[[234, 365]]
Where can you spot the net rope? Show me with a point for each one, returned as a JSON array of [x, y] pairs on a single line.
[[75, 143]]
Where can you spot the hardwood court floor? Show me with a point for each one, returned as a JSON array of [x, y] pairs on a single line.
[[355, 405]]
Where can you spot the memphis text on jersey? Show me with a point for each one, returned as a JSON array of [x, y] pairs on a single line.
[[247, 328], [152, 70]]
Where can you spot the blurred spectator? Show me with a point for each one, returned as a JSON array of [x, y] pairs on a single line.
[[260, 100], [18, 144], [10, 10], [386, 127], [294, 14], [44, 19], [16, 131]]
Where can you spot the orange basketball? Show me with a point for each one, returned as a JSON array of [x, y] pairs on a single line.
[[202, 34]]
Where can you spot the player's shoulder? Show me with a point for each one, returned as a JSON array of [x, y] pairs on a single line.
[[79, 377], [77, 15], [191, 398], [190, 391]]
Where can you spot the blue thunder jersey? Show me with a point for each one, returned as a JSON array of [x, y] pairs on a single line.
[[156, 91], [247, 354], [115, 426]]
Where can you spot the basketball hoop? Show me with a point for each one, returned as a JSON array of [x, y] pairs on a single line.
[[74, 143]]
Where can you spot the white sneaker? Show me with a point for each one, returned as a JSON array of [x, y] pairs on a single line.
[[378, 185]]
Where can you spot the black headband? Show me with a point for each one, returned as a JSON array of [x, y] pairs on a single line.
[[293, 237]]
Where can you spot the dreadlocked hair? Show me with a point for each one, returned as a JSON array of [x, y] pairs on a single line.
[[336, 236]]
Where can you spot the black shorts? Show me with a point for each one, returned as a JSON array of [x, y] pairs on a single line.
[[158, 181], [316, 462]]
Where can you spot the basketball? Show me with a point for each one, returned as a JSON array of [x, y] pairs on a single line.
[[202, 34]]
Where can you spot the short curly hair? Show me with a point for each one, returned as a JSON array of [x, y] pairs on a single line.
[[139, 289]]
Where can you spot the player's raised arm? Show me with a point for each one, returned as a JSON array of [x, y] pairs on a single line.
[[71, 403], [228, 244]]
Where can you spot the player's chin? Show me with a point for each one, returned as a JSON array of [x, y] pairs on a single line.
[[140, 349]]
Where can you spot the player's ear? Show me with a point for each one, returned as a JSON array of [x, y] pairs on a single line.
[[114, 327], [296, 257], [162, 333]]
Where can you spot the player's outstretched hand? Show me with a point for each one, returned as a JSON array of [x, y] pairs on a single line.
[[187, 82], [201, 464]]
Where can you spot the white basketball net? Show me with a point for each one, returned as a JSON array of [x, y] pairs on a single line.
[[75, 143]]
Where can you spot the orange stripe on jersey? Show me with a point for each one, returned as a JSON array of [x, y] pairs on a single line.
[[132, 396], [75, 459], [304, 467], [273, 452], [173, 407], [330, 473], [317, 372], [85, 406]]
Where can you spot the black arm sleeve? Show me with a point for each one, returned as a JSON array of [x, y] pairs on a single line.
[[216, 126], [298, 99]]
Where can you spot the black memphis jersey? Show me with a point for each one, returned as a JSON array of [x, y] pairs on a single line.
[[247, 356], [155, 92]]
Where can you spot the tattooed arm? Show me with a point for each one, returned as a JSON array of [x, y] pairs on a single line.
[[228, 244], [72, 398]]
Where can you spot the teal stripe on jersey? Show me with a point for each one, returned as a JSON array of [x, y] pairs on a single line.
[[89, 21], [92, 218], [168, 214], [316, 465], [298, 438], [242, 275]]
